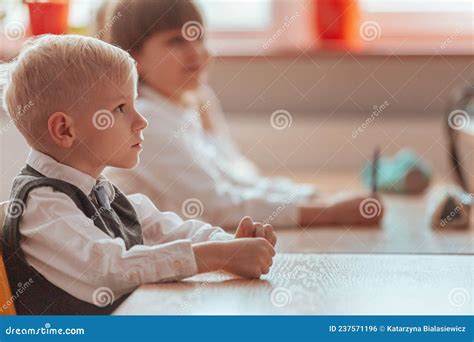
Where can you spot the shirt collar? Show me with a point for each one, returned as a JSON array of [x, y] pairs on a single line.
[[50, 168]]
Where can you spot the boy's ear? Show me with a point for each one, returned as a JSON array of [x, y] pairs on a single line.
[[61, 129]]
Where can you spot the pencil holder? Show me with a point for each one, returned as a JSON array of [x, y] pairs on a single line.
[[404, 173]]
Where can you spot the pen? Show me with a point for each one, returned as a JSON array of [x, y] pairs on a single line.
[[375, 165]]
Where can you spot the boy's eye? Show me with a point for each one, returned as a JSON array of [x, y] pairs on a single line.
[[120, 108]]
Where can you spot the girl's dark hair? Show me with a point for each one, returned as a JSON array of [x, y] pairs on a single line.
[[133, 21]]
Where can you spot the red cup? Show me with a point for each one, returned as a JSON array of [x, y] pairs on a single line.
[[48, 16], [337, 22]]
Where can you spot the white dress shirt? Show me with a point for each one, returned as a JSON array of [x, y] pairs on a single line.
[[63, 244], [181, 161]]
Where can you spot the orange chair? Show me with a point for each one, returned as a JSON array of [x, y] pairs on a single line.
[[6, 300]]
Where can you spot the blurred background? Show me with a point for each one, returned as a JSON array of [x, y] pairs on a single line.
[[347, 75]]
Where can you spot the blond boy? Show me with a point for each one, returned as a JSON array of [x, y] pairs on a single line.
[[68, 230]]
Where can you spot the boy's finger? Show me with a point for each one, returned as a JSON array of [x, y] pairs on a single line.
[[246, 227], [271, 249], [270, 234], [259, 230]]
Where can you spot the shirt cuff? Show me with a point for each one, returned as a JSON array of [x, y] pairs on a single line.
[[180, 263]]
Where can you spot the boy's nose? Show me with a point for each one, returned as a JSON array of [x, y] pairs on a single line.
[[140, 122]]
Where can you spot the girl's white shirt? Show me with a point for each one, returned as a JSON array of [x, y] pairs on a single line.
[[190, 171]]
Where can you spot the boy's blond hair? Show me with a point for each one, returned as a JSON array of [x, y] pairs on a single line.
[[53, 73]]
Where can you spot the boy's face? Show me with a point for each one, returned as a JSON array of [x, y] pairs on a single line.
[[172, 64], [109, 129]]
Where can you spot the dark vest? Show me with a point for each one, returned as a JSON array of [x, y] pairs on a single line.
[[42, 297]]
